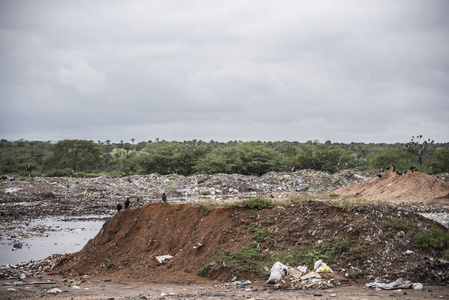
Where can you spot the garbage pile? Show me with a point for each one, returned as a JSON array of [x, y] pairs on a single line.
[[30, 269], [48, 196], [321, 277]]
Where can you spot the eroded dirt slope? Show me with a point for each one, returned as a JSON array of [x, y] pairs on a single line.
[[133, 238], [126, 247]]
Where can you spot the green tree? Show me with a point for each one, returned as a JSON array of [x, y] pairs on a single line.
[[388, 157], [78, 155], [439, 162], [332, 160], [249, 158]]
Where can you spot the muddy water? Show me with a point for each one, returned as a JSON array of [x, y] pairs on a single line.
[[38, 239]]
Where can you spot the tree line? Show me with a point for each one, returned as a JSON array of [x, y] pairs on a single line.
[[73, 157]]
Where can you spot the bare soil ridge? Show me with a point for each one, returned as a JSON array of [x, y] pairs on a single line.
[[415, 187], [126, 248]]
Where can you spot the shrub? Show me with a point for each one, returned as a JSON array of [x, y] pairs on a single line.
[[204, 269], [256, 203], [261, 234], [246, 259], [328, 252], [434, 238]]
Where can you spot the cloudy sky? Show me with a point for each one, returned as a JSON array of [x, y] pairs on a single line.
[[345, 71]]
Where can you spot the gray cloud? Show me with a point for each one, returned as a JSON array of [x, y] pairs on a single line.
[[371, 71]]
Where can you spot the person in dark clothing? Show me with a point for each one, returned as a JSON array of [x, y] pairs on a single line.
[[119, 207], [164, 198], [127, 203]]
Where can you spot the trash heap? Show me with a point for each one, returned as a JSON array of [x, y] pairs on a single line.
[[32, 269], [321, 277], [48, 196]]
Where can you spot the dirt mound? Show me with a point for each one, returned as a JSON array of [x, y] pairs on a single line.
[[127, 245], [126, 248], [415, 187]]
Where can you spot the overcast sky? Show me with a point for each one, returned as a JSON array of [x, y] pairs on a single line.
[[345, 71]]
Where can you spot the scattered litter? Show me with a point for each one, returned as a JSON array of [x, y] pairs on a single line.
[[54, 291], [299, 279], [400, 283], [163, 258], [277, 270]]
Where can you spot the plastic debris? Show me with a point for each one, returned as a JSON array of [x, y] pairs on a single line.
[[299, 279], [163, 258], [400, 283], [54, 291], [277, 270]]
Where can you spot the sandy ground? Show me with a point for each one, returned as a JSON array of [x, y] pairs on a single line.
[[109, 290]]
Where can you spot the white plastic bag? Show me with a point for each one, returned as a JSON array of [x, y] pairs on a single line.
[[277, 270]]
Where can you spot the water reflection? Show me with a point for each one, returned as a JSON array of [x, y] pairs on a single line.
[[41, 238]]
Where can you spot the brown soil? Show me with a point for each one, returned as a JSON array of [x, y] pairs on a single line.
[[413, 187], [126, 248]]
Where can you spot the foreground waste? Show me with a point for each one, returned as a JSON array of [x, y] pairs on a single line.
[[321, 277]]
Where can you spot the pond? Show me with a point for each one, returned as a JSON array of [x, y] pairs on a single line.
[[40, 238]]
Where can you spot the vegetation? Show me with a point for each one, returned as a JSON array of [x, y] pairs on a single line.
[[81, 157], [256, 203], [327, 251], [262, 234], [250, 259], [418, 146], [247, 259], [434, 238]]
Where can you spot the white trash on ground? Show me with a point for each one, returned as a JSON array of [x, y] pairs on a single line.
[[400, 283]]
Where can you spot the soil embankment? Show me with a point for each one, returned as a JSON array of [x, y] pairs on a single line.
[[128, 244]]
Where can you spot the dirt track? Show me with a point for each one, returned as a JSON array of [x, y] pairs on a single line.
[[134, 291]]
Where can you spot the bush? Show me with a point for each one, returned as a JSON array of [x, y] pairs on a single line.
[[256, 203], [328, 252], [204, 269], [434, 238], [262, 234], [246, 259]]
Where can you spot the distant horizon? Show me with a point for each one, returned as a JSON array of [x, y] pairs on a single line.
[[208, 141]]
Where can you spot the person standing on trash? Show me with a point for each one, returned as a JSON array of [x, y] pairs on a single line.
[[164, 198], [119, 207], [127, 203]]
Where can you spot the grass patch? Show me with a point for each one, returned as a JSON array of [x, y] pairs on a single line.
[[246, 259], [329, 252], [249, 259], [262, 234], [257, 203], [207, 207], [396, 224], [204, 269], [296, 199]]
